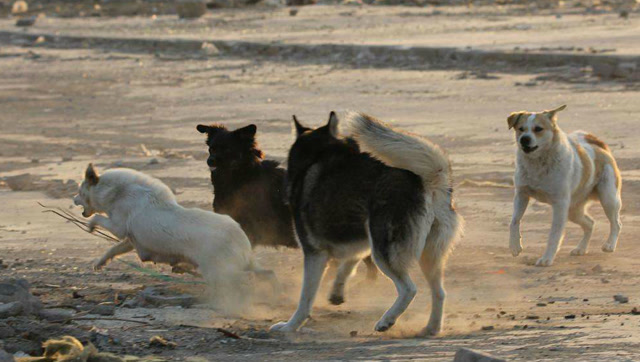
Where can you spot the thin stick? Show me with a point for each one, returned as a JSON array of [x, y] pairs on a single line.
[[98, 319], [77, 222]]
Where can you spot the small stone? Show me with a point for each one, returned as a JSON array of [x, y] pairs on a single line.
[[533, 317], [487, 328], [22, 182], [191, 9], [635, 311], [293, 12], [597, 269], [24, 22], [35, 160], [355, 333], [570, 316], [154, 161], [67, 158], [209, 49], [104, 309], [470, 355], [541, 304], [6, 357], [621, 298]]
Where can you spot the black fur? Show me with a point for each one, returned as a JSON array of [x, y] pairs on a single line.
[[335, 188], [247, 187]]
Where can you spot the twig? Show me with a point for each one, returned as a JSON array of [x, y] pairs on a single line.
[[77, 222], [228, 333], [99, 318]]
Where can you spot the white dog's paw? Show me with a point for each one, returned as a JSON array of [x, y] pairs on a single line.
[[384, 325], [544, 261], [92, 225], [282, 327], [608, 248], [578, 251]]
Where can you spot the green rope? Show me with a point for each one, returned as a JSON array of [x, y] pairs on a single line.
[[155, 274]]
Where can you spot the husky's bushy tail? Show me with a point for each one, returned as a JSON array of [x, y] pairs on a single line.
[[422, 157]]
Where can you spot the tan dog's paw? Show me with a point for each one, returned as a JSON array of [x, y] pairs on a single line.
[[578, 252], [608, 248], [544, 261], [516, 246], [98, 265]]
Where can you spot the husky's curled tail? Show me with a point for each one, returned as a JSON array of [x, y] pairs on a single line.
[[425, 159]]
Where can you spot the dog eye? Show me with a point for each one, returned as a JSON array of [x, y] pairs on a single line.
[[521, 129], [537, 129]]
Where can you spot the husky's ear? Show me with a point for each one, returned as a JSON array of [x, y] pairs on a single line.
[[298, 127], [553, 113], [248, 132], [91, 176], [332, 125]]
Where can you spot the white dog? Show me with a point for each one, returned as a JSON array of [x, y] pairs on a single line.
[[567, 171], [143, 213]]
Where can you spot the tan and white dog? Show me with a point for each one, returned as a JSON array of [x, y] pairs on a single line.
[[567, 171], [143, 213]]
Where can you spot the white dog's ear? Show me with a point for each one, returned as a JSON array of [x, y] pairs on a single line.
[[513, 119], [298, 128], [332, 125], [552, 113], [91, 176]]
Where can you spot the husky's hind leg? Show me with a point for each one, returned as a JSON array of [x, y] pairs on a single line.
[[344, 272]]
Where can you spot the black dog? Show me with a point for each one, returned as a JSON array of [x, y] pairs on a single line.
[[347, 205], [250, 189]]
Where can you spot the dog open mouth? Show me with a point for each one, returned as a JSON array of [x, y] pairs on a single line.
[[529, 149]]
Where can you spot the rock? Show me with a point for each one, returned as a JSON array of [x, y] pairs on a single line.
[[293, 12], [487, 328], [160, 297], [469, 355], [570, 316], [104, 309], [6, 357], [621, 298], [24, 22], [23, 182], [626, 70], [10, 309], [154, 161], [56, 314], [19, 7], [603, 70], [634, 311], [17, 290], [190, 9], [597, 269], [67, 158], [6, 331], [353, 333], [209, 49]]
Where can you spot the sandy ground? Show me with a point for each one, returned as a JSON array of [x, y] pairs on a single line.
[[506, 28], [60, 109]]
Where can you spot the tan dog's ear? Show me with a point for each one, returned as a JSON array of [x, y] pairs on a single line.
[[91, 176], [552, 113], [513, 119]]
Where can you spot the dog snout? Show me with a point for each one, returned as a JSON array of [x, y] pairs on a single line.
[[525, 141]]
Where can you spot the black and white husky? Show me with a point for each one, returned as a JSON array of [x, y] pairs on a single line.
[[394, 203]]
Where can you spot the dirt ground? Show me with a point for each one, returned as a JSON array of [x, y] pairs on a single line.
[[63, 108]]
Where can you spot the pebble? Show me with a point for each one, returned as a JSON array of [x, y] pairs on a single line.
[[487, 328], [570, 316], [621, 298]]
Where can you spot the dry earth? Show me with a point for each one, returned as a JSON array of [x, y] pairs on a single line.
[[60, 109]]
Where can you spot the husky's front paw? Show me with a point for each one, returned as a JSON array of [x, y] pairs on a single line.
[[282, 327], [578, 251], [97, 266], [516, 247], [544, 261], [608, 248], [384, 325]]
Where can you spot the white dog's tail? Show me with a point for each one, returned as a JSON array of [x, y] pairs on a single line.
[[402, 150], [422, 157]]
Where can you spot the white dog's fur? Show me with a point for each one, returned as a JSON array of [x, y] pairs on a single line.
[[143, 213], [567, 171]]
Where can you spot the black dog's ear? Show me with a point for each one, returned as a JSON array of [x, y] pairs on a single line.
[[299, 128], [203, 129], [247, 131], [91, 176], [332, 125]]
